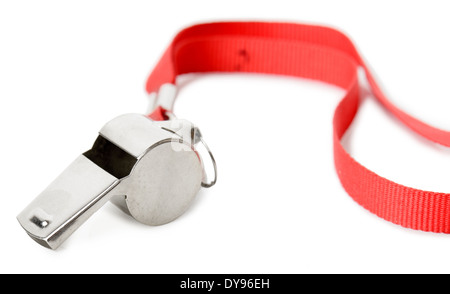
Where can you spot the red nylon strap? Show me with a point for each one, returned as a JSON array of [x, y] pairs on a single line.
[[318, 53]]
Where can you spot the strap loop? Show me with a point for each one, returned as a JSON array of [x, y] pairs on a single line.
[[319, 53]]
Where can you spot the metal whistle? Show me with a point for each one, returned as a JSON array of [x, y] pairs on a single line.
[[150, 169]]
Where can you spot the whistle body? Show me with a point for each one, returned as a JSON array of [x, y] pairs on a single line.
[[149, 169]]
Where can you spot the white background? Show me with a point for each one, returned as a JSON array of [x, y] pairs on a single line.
[[66, 68]]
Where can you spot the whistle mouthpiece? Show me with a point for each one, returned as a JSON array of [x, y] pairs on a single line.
[[67, 203]]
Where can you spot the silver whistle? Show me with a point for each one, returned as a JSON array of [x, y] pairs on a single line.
[[150, 169]]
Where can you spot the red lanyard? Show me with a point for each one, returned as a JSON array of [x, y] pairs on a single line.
[[318, 53]]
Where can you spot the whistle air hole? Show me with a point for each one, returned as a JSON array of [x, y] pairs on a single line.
[[111, 158]]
